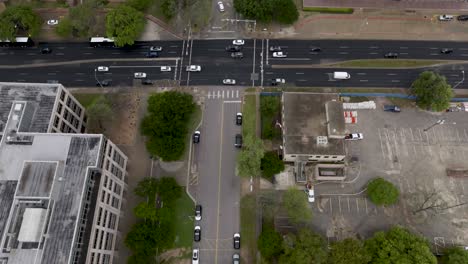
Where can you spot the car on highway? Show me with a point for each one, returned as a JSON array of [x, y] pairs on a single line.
[[446, 51], [310, 195], [104, 83], [235, 258], [139, 75], [462, 18], [275, 48], [280, 54], [152, 54], [52, 22], [198, 212], [165, 68], [237, 55], [229, 82], [236, 241], [156, 48], [341, 75], [315, 49], [238, 42], [221, 6], [196, 137], [445, 17], [46, 50], [195, 256], [193, 68], [391, 55], [277, 81], [239, 119], [392, 108], [102, 68], [238, 141], [354, 136], [233, 48], [147, 82], [197, 234]]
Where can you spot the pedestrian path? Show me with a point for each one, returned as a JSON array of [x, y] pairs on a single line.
[[223, 94]]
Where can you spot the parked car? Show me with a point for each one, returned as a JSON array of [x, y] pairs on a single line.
[[156, 48], [239, 119], [392, 108], [197, 234], [446, 51], [280, 54], [238, 42], [277, 81], [195, 256], [391, 55], [139, 75], [52, 22], [354, 136], [147, 82], [275, 48], [166, 68], [310, 195], [229, 82], [198, 212], [196, 137], [237, 55], [462, 18], [445, 17], [104, 83], [46, 50], [235, 259], [152, 54], [233, 48], [102, 68], [236, 241], [221, 6], [238, 141]]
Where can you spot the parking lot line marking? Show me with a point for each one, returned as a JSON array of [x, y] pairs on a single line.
[[223, 94], [237, 94]]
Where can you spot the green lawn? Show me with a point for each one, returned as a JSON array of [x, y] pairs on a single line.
[[184, 209], [269, 130], [86, 99], [249, 115], [333, 10], [387, 63], [248, 227]]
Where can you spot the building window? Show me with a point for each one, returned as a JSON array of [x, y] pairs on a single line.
[[117, 188], [325, 157], [56, 121], [68, 101], [62, 95], [83, 129], [99, 216], [112, 219], [59, 108], [115, 202], [79, 111], [334, 157]]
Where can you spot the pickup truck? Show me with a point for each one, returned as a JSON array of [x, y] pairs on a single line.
[[354, 136], [193, 68]]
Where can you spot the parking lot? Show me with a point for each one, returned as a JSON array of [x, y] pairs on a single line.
[[411, 149]]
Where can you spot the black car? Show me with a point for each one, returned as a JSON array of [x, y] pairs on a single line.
[[275, 48], [196, 137], [315, 49], [239, 119], [198, 212], [391, 55], [152, 54], [104, 83], [392, 108], [238, 141], [446, 51], [237, 55], [147, 82], [236, 241], [197, 234], [233, 48], [462, 18], [46, 50]]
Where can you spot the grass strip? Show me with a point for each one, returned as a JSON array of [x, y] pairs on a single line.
[[184, 209], [248, 225], [331, 10], [249, 115], [87, 99]]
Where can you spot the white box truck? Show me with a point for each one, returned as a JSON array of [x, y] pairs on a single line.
[[341, 75]]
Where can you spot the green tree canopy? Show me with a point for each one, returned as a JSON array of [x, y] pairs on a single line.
[[64, 28], [146, 210], [271, 165], [142, 239], [382, 192], [348, 251], [398, 245], [169, 189], [169, 8], [432, 91], [148, 187], [99, 111], [166, 124], [282, 11], [124, 24], [304, 248], [269, 105], [249, 158], [270, 243], [296, 205], [140, 5], [19, 19], [455, 255]]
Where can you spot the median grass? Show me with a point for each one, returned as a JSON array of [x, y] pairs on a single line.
[[331, 10], [86, 99], [183, 208], [387, 63], [249, 115], [248, 226]]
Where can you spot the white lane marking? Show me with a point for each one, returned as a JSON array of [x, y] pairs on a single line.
[[403, 53], [30, 54], [116, 53], [373, 53], [79, 80], [21, 80], [172, 52], [88, 53], [463, 49], [51, 73], [464, 55], [433, 48], [79, 73], [299, 73], [108, 73], [434, 54], [291, 59], [174, 46], [391, 74], [361, 73], [403, 47], [3, 53], [24, 73], [232, 102], [344, 53], [454, 75], [237, 94], [363, 80], [395, 80], [59, 54], [344, 47], [373, 47], [301, 80], [268, 73]]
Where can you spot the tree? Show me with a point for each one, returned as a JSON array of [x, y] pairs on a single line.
[[124, 24], [271, 165], [455, 255], [169, 8], [304, 248], [147, 188], [82, 19], [147, 211], [249, 158], [269, 105], [141, 239], [382, 192], [398, 245], [286, 11], [432, 91], [140, 5], [283, 11], [169, 189], [270, 243], [166, 124], [295, 202], [64, 28], [19, 18], [98, 112], [348, 251]]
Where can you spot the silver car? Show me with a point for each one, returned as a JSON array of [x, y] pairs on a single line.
[[229, 82]]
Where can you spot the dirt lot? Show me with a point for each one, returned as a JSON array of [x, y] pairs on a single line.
[[412, 151]]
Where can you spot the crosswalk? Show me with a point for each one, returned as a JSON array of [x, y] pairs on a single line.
[[223, 94]]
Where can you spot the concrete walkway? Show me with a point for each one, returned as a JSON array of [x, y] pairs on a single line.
[[455, 5]]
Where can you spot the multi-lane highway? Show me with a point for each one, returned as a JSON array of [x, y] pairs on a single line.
[[73, 64]]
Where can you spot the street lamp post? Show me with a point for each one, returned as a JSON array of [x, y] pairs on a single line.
[[438, 122], [463, 73], [95, 77]]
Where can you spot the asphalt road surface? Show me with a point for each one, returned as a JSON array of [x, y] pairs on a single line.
[[73, 64]]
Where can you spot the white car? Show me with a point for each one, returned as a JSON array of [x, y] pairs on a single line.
[[310, 195], [280, 54], [221, 6], [354, 136], [229, 81], [165, 68], [156, 48], [445, 17], [103, 68], [139, 75], [238, 42], [52, 22], [195, 256], [193, 68]]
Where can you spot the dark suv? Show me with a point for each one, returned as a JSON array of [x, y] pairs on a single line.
[[462, 18], [238, 141], [446, 51], [233, 48], [391, 55], [46, 50], [237, 55]]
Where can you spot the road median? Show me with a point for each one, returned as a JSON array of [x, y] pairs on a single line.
[[374, 63]]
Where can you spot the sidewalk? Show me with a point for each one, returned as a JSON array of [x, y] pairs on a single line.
[[454, 5]]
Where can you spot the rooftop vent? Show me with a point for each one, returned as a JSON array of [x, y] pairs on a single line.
[[322, 140]]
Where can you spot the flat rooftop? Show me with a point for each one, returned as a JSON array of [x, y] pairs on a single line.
[[304, 119]]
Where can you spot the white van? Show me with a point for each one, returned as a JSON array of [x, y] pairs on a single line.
[[341, 75]]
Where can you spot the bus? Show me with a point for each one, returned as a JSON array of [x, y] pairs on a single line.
[[19, 42], [101, 42]]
